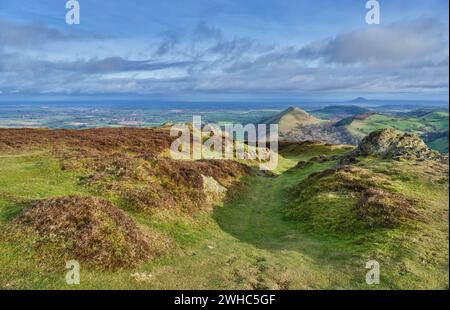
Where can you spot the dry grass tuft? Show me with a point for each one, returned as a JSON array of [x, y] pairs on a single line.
[[163, 183], [89, 142], [373, 197], [379, 208], [87, 229]]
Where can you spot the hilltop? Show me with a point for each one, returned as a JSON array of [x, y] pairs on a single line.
[[377, 200], [297, 125], [388, 143], [292, 119], [136, 219], [359, 100]]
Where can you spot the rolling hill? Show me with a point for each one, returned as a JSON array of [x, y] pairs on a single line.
[[292, 119], [431, 125], [337, 112]]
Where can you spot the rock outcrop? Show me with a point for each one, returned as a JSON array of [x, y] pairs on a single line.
[[214, 191], [387, 143]]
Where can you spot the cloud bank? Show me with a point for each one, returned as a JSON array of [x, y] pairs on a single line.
[[409, 55]]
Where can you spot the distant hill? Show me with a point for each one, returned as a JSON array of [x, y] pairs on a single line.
[[349, 120], [359, 100], [424, 112], [292, 119], [437, 141], [297, 125], [336, 112], [432, 126]]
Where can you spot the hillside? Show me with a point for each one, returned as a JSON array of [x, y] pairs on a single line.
[[428, 124], [291, 120], [338, 112], [137, 220], [297, 125], [431, 125], [360, 100], [424, 111], [437, 140]]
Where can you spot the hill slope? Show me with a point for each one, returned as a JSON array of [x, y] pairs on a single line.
[[434, 123], [337, 112], [297, 125], [313, 225], [292, 119], [431, 125]]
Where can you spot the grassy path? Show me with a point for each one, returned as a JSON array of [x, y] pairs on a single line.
[[244, 244], [256, 218]]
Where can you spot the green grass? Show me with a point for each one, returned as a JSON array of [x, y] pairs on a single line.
[[378, 121], [245, 243], [440, 144], [32, 176], [429, 123]]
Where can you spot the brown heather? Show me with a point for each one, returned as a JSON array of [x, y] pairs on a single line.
[[87, 229]]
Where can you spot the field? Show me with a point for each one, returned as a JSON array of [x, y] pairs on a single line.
[[133, 113], [432, 122]]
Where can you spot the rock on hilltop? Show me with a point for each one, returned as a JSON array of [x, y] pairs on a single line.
[[390, 144]]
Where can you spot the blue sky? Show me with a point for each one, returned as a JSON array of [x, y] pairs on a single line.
[[225, 48]]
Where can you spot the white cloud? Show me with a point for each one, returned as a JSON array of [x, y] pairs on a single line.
[[405, 56], [402, 43]]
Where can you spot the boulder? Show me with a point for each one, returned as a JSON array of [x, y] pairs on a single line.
[[213, 190], [387, 143]]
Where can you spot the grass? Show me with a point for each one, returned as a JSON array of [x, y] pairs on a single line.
[[32, 176], [244, 243], [440, 144], [429, 123], [377, 121]]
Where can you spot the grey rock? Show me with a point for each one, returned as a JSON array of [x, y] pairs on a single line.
[[387, 143]]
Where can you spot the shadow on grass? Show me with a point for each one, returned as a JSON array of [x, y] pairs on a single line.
[[11, 207], [255, 216]]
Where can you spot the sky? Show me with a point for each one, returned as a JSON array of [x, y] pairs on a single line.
[[193, 49]]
